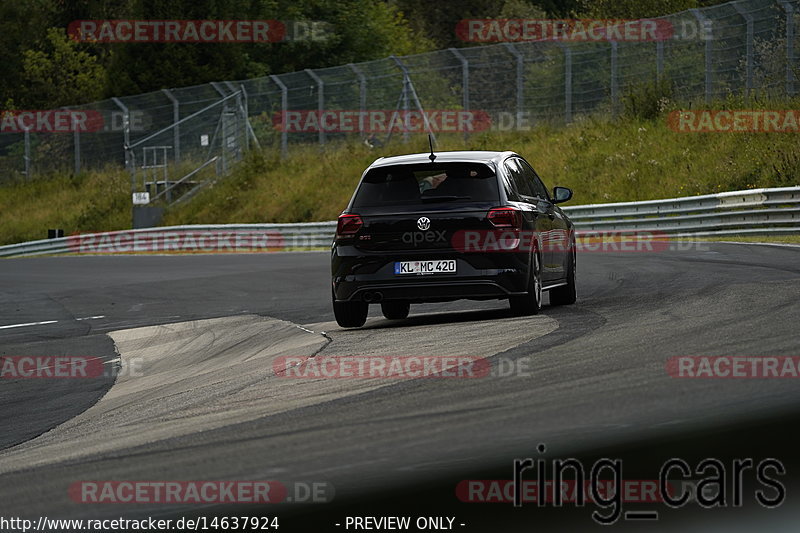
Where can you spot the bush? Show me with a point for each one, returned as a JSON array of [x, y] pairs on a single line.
[[647, 100]]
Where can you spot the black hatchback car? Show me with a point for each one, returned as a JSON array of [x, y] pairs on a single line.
[[448, 226]]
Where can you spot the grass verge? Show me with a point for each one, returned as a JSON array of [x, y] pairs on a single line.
[[601, 160]]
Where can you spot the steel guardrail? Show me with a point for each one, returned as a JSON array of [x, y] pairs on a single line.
[[751, 212]]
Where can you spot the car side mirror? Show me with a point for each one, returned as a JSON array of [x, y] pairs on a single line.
[[561, 194]]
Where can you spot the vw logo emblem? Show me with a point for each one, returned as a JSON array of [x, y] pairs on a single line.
[[423, 223]]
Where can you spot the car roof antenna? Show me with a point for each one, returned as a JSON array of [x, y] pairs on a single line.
[[432, 157]]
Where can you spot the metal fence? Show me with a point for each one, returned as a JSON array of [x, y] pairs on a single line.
[[773, 211], [733, 48]]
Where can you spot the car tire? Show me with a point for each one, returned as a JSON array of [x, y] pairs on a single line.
[[530, 303], [395, 310], [350, 314], [566, 294]]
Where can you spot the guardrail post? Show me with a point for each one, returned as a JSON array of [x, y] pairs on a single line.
[[27, 156], [284, 109], [708, 35], [130, 157], [241, 114], [223, 144], [248, 129], [362, 95], [406, 83], [223, 141], [408, 90], [126, 136], [76, 141], [464, 81], [790, 77], [241, 109], [239, 125], [224, 132], [176, 129], [247, 126], [614, 87], [519, 78], [659, 60], [567, 81], [464, 77], [748, 18], [320, 102]]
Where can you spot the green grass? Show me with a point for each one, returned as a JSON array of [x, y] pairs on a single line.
[[97, 201], [603, 161]]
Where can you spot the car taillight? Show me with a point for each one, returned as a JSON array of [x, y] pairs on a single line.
[[348, 225], [505, 217]]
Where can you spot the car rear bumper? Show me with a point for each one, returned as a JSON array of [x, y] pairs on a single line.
[[371, 278], [424, 292]]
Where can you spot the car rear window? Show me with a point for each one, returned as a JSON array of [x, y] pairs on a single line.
[[427, 183]]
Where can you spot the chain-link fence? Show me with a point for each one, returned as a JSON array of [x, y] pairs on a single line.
[[167, 136]]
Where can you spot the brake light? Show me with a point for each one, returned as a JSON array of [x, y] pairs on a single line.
[[348, 225], [505, 217]]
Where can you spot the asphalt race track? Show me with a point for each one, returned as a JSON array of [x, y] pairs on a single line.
[[588, 381]]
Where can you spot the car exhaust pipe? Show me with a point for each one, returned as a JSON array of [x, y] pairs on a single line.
[[373, 297]]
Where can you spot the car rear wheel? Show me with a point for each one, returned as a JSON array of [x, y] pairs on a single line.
[[530, 303], [566, 294], [350, 314], [395, 310]]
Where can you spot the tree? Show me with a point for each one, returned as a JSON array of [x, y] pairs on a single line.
[[22, 27], [60, 74], [357, 30], [634, 9]]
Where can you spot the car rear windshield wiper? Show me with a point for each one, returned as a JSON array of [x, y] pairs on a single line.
[[444, 198]]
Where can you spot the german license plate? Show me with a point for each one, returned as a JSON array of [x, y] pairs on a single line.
[[442, 266]]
